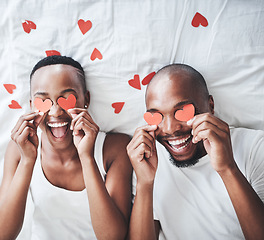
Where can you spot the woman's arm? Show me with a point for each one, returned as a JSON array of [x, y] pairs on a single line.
[[13, 192], [20, 159], [110, 202]]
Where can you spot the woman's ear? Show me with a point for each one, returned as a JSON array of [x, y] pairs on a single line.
[[87, 99], [211, 104], [30, 103]]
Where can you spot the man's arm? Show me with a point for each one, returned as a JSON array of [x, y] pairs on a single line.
[[248, 206], [143, 156], [142, 224]]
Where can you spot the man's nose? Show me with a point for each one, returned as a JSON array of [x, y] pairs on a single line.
[[170, 125], [55, 110]]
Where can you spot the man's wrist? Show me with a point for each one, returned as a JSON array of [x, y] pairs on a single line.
[[145, 187], [230, 171]]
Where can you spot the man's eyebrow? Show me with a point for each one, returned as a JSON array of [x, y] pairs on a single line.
[[179, 104]]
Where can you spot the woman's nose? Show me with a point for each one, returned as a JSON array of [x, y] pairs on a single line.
[[55, 110]]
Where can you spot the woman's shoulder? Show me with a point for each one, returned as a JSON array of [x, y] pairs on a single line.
[[114, 148], [116, 141]]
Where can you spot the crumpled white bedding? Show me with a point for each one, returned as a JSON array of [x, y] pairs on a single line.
[[121, 43]]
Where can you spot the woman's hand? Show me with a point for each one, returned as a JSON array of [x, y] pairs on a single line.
[[84, 131], [24, 134]]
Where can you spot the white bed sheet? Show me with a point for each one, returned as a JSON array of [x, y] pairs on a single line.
[[136, 37]]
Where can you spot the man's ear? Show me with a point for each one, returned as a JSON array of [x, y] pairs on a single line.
[[211, 104], [87, 99]]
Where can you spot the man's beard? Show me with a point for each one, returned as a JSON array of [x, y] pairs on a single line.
[[183, 164]]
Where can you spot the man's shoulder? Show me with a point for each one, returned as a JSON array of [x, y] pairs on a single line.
[[246, 135], [248, 146]]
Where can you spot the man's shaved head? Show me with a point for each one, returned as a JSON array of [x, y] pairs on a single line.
[[183, 71]]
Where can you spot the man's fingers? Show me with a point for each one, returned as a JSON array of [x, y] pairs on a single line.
[[143, 139], [208, 118], [139, 153], [145, 130], [207, 126]]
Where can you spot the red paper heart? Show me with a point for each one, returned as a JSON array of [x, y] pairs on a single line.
[[199, 19], [148, 78], [84, 26], [42, 106], [67, 103], [28, 25], [14, 105], [118, 106], [9, 87], [153, 119], [96, 54], [135, 82], [186, 113], [52, 52]]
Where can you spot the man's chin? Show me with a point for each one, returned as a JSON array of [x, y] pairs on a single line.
[[183, 163]]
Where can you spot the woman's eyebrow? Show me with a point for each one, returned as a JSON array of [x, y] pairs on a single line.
[[41, 93], [68, 90]]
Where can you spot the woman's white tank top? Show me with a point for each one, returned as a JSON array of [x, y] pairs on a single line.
[[61, 214]]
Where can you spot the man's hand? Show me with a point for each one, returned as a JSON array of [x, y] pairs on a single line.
[[84, 131], [142, 153], [216, 139]]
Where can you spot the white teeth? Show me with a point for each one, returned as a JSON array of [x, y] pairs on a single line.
[[180, 148], [180, 141], [57, 124]]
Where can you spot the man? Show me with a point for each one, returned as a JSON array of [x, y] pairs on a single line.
[[209, 179]]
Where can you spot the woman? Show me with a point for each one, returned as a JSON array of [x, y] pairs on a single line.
[[79, 177]]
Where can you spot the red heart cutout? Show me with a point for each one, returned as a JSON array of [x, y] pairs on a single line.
[[153, 119], [28, 25], [9, 87], [135, 82], [14, 105], [42, 106], [148, 78], [67, 103], [84, 26], [186, 113], [199, 19], [52, 53], [118, 106], [96, 54]]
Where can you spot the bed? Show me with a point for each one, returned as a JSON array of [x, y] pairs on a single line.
[[122, 43]]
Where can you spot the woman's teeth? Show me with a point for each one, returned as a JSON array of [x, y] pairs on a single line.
[[179, 141], [57, 124]]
